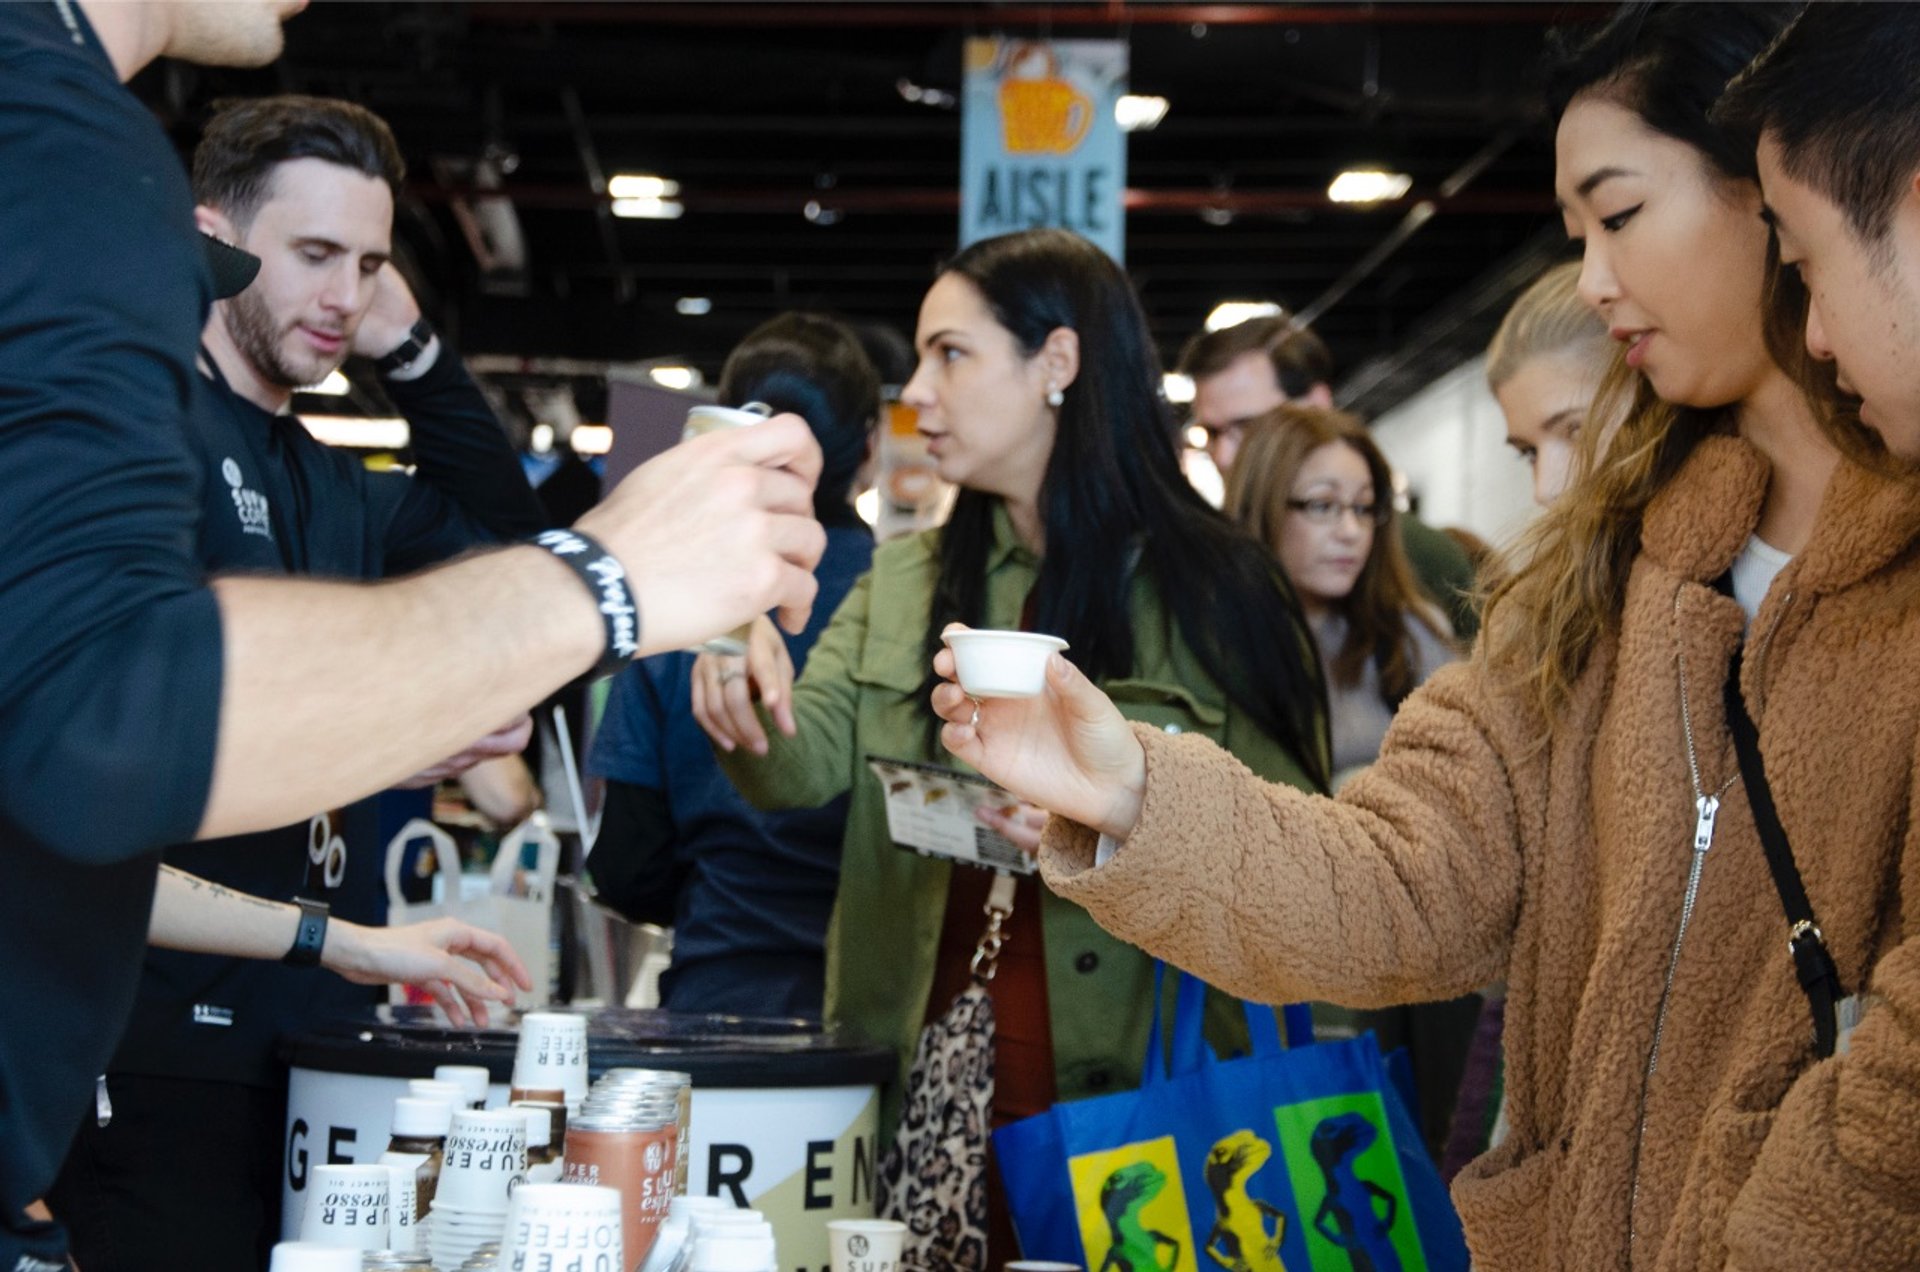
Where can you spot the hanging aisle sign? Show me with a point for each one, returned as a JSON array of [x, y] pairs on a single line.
[[1039, 144]]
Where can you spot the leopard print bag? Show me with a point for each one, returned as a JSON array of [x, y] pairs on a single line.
[[934, 1178]]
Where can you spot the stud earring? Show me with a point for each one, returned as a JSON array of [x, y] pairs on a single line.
[[1054, 396]]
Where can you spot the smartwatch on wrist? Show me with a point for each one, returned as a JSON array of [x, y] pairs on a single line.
[[311, 936], [410, 349]]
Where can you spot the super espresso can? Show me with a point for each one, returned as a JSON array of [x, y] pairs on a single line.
[[636, 1150]]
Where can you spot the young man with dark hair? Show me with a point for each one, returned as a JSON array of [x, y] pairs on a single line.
[[1241, 372], [142, 704], [307, 186], [1834, 107]]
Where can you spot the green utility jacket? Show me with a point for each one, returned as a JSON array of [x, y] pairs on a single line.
[[860, 696]]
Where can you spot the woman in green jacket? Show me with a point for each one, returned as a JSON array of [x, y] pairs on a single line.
[[1038, 391]]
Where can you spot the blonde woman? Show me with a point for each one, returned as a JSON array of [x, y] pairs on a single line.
[[1545, 366]]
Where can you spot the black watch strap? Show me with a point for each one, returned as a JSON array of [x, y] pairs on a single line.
[[311, 937], [411, 348]]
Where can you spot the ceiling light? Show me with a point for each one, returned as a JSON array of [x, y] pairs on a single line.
[[648, 209], [1176, 387], [1231, 313], [820, 214], [591, 439], [364, 432], [674, 377], [642, 185], [1135, 113], [693, 306], [1368, 185], [335, 385]]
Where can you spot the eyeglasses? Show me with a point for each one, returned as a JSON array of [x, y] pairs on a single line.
[[1326, 512]]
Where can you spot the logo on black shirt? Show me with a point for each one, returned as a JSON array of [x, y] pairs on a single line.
[[249, 505]]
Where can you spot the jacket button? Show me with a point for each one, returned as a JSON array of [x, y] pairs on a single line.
[[1086, 963], [1099, 1080], [1173, 728]]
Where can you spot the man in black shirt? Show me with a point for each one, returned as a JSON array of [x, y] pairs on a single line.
[[307, 186], [140, 703]]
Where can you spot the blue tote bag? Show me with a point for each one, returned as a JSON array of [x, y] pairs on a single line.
[[1286, 1160]]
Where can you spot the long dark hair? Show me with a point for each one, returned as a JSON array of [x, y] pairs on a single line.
[[1565, 585], [1115, 502], [812, 365], [1385, 604]]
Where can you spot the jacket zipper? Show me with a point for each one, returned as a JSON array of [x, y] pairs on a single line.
[[1706, 813]]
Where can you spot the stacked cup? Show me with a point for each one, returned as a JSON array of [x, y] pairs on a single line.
[[627, 1137], [305, 1256], [486, 1159], [551, 1060], [350, 1206], [564, 1225], [732, 1241]]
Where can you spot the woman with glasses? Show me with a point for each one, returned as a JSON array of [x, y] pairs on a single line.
[[1313, 487]]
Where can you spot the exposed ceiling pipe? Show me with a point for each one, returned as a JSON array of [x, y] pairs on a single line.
[[946, 199], [988, 16], [1419, 214]]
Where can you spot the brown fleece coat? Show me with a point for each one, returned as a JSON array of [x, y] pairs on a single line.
[[1467, 856]]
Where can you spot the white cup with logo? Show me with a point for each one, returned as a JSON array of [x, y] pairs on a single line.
[[552, 1055], [567, 1220], [485, 1159], [349, 1206], [307, 1256], [866, 1245]]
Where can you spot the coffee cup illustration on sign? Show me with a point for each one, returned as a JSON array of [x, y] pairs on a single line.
[[1040, 111]]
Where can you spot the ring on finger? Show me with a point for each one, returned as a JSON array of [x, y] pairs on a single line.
[[730, 675], [974, 723]]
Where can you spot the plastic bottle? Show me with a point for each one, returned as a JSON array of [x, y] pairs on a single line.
[[420, 1141]]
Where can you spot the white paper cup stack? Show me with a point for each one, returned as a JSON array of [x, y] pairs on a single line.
[[305, 1256], [732, 1241], [552, 1055], [348, 1206], [568, 1224], [486, 1159]]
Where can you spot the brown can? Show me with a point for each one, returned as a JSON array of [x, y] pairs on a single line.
[[634, 1151]]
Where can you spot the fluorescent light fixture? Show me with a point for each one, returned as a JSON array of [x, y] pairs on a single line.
[[648, 209], [591, 439], [1135, 113], [363, 432], [1368, 185], [693, 306], [674, 377], [1231, 313], [642, 185], [1176, 387], [335, 385]]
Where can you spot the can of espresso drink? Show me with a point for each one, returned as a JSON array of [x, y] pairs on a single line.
[[635, 1149], [627, 1085]]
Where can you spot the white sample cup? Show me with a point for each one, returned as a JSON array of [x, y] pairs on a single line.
[[307, 1256], [470, 1078], [563, 1220], [552, 1055], [486, 1157], [992, 664], [350, 1206], [866, 1245]]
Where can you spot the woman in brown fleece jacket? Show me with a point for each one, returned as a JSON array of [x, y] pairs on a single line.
[[1534, 813]]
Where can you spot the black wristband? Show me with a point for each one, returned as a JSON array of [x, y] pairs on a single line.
[[311, 936], [606, 579], [410, 349]]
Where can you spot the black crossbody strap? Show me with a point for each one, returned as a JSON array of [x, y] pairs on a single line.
[[1811, 962]]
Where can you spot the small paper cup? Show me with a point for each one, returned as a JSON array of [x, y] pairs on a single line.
[[470, 1078], [486, 1156], [866, 1245], [552, 1054], [350, 1206], [307, 1256], [563, 1219], [993, 664]]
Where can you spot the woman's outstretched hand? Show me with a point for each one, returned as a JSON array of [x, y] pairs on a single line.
[[1068, 750]]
